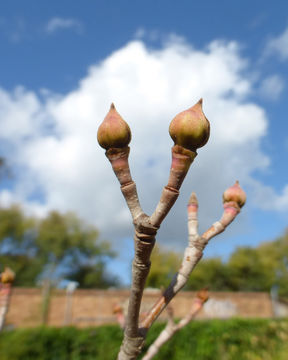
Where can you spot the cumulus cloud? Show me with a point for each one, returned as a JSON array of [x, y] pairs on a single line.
[[53, 141], [58, 23], [267, 198], [272, 87], [278, 45]]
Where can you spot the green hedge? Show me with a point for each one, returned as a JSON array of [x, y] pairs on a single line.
[[201, 340]]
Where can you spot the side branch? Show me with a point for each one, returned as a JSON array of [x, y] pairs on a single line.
[[171, 327], [192, 255], [181, 160]]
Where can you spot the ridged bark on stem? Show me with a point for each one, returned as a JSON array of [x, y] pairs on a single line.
[[118, 158], [181, 160], [133, 339]]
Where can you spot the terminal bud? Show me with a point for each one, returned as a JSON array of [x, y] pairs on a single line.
[[114, 132], [236, 194], [190, 128]]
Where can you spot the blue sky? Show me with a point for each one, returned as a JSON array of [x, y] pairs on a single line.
[[61, 65]]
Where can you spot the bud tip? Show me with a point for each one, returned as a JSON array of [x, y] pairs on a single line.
[[113, 132], [193, 199]]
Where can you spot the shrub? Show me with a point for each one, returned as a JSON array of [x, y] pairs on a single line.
[[203, 340]]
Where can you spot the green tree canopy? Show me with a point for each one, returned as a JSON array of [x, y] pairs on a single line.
[[210, 273], [247, 269], [164, 264], [58, 246]]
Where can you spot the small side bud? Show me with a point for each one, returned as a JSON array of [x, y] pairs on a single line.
[[203, 295], [236, 194], [117, 309], [190, 128], [114, 132], [7, 276]]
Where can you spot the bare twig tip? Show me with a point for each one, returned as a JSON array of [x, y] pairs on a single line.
[[193, 199]]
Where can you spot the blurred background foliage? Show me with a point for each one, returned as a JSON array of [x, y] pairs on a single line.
[[59, 246], [202, 340], [62, 246], [247, 269]]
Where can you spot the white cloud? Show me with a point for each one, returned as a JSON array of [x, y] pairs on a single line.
[[271, 87], [54, 142], [58, 23], [278, 45], [151, 35], [9, 198], [266, 198]]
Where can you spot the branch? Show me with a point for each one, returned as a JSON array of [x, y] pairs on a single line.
[[114, 135], [145, 231], [144, 239], [196, 244], [171, 327]]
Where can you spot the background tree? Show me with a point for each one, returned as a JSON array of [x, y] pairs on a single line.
[[58, 246], [247, 269], [211, 273], [17, 246], [164, 264], [5, 171]]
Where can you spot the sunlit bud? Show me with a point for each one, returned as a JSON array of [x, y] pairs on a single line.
[[190, 128], [236, 194], [7, 276], [114, 132]]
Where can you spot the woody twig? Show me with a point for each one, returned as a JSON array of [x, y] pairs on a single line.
[[172, 327], [233, 199]]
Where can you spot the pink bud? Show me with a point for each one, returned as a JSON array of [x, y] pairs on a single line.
[[236, 194], [190, 128], [114, 132]]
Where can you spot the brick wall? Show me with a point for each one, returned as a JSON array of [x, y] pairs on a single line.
[[94, 307]]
